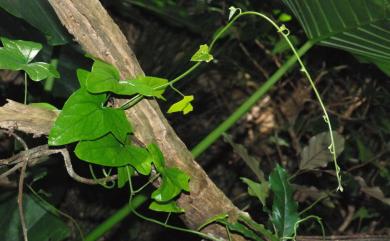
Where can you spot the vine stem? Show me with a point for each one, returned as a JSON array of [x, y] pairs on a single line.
[[25, 88], [165, 225], [216, 133]]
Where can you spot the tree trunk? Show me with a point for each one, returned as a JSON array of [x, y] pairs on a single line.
[[99, 36]]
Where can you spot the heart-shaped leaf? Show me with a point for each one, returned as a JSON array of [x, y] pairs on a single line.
[[103, 78], [183, 105], [17, 55], [202, 55], [85, 118], [146, 85], [124, 173], [173, 182], [169, 207], [108, 151]]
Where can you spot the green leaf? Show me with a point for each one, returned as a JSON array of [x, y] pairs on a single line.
[[17, 55], [241, 229], [202, 55], [252, 162], [157, 157], [145, 85], [259, 190], [82, 76], [84, 118], [104, 77], [41, 15], [183, 105], [123, 175], [108, 151], [212, 220], [317, 153], [38, 71], [41, 224], [284, 208], [173, 182], [43, 105], [170, 207], [357, 26]]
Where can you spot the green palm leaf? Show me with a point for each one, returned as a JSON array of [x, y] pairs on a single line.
[[361, 27]]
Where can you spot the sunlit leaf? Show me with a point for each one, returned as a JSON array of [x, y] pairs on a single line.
[[83, 117], [170, 207], [43, 105], [202, 55], [124, 173], [173, 182], [17, 55], [108, 151], [183, 105], [284, 207]]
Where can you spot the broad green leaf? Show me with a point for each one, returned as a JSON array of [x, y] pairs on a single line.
[[358, 26], [41, 15], [173, 182], [213, 219], [25, 50], [123, 175], [41, 224], [104, 77], [157, 157], [145, 85], [183, 105], [259, 190], [317, 153], [82, 76], [108, 151], [241, 229], [44, 105], [38, 71], [202, 55], [284, 207], [169, 207], [83, 117], [252, 162], [17, 55]]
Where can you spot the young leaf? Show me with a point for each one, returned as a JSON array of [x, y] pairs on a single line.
[[232, 11], [145, 85], [259, 190], [317, 153], [202, 55], [82, 76], [182, 105], [17, 55], [284, 208], [103, 78], [84, 118], [169, 207], [241, 229], [44, 105], [108, 151], [173, 182], [157, 157], [212, 220], [123, 175]]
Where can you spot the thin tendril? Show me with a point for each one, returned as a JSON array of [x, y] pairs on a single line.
[[25, 88]]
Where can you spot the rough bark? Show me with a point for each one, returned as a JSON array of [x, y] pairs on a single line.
[[99, 36]]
